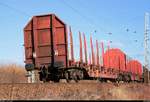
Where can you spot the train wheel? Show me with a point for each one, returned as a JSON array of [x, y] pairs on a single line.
[[41, 77], [76, 79], [99, 79], [44, 80], [103, 80], [67, 76], [80, 75], [56, 80], [129, 78], [75, 76], [119, 78]]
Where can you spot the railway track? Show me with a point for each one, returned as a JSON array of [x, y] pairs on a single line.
[[84, 90]]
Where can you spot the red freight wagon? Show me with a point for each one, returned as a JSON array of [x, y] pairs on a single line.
[[115, 59], [132, 66], [45, 41], [136, 69]]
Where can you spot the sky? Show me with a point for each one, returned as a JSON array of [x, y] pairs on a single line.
[[96, 18]]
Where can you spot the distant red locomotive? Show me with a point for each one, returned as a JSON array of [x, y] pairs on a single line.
[[46, 50]]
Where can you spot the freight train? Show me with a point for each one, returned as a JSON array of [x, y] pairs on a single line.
[[46, 51]]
